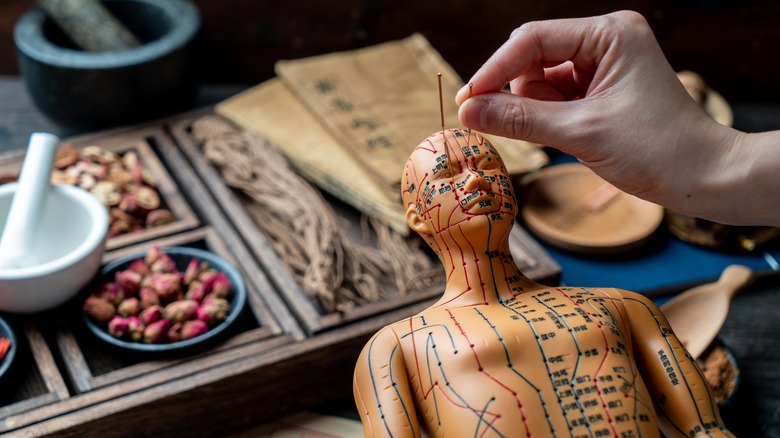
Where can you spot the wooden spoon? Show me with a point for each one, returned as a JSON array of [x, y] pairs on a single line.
[[697, 314]]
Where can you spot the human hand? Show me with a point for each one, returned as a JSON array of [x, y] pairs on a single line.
[[600, 89]]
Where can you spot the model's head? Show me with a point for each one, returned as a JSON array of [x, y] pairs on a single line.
[[459, 193]]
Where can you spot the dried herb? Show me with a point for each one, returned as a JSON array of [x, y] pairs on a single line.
[[5, 345]]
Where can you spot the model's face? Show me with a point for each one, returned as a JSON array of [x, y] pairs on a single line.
[[452, 191]]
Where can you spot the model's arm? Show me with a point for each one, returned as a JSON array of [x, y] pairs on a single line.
[[601, 89], [684, 401], [382, 391]]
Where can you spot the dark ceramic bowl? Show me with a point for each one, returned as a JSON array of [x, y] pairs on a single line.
[[181, 256], [7, 332], [85, 90]]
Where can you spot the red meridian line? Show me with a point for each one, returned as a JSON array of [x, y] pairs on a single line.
[[365, 409], [601, 365], [414, 349], [489, 425], [482, 370], [479, 271], [432, 149]]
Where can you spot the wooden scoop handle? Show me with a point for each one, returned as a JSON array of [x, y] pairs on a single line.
[[734, 278]]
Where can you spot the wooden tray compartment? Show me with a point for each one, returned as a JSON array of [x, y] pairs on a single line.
[[93, 364], [170, 197], [33, 380], [531, 258]]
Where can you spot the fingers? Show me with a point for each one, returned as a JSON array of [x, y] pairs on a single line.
[[538, 45], [507, 115]]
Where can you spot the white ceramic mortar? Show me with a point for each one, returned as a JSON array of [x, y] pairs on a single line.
[[68, 248]]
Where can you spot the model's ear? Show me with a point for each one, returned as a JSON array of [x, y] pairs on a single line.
[[415, 222]]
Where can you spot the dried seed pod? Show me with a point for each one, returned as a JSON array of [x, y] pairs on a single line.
[[66, 156], [159, 217], [147, 198], [107, 192]]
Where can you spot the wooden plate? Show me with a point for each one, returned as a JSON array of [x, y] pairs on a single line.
[[572, 208]]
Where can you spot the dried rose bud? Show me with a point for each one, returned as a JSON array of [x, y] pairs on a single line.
[[135, 327], [193, 271], [213, 310], [128, 280], [159, 217], [128, 307], [118, 326], [152, 314], [157, 331], [164, 264], [139, 266], [167, 286], [112, 293], [99, 308], [174, 333], [180, 311], [149, 298], [207, 277], [190, 329], [154, 253], [196, 293], [221, 286]]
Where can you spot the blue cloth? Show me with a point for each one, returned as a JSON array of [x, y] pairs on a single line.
[[664, 264]]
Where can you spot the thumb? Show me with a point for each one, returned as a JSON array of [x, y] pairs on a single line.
[[508, 115]]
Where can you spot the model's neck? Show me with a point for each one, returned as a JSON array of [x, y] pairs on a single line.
[[481, 276]]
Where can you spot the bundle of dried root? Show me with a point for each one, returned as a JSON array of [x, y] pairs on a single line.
[[304, 230]]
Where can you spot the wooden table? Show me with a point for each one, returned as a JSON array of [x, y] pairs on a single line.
[[226, 397]]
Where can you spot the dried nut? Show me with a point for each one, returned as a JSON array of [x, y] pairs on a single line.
[[87, 181], [130, 159], [156, 332], [107, 192], [66, 156], [97, 154], [101, 309], [147, 198], [118, 326], [159, 217]]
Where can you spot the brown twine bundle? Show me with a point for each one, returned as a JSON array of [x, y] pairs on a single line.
[[303, 229]]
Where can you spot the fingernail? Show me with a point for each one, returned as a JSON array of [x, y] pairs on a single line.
[[470, 113], [462, 94]]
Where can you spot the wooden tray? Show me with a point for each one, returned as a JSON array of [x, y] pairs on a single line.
[[529, 255], [285, 355], [170, 196]]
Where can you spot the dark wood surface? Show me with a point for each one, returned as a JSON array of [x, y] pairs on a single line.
[[732, 43], [752, 330]]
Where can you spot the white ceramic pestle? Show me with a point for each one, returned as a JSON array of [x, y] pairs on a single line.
[[28, 202]]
